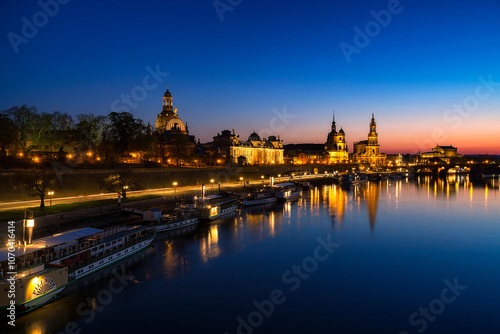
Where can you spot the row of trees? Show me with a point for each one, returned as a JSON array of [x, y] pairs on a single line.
[[26, 130], [40, 182]]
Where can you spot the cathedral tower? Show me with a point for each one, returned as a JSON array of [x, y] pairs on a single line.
[[336, 145]]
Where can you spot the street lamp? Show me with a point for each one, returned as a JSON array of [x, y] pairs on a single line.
[[175, 185], [212, 182], [241, 179], [50, 193], [262, 177], [28, 225]]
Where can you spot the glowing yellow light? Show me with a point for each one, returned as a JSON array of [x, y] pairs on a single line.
[[212, 181], [36, 159], [69, 156], [89, 153], [30, 222], [35, 280], [175, 184], [98, 159]]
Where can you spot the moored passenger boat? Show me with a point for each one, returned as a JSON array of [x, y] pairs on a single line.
[[173, 222], [262, 196], [359, 178], [212, 207], [345, 179], [285, 191], [36, 273]]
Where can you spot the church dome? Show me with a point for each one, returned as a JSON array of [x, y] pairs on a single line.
[[341, 131], [167, 93], [254, 137], [175, 124]]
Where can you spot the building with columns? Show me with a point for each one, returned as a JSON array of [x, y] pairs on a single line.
[[254, 151], [368, 151], [445, 153], [336, 145]]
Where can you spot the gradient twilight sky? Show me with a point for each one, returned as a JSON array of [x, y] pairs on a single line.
[[265, 56]]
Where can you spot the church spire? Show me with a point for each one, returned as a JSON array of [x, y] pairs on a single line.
[[334, 126]]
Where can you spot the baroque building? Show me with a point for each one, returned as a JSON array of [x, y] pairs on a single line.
[[445, 153], [174, 144], [368, 151], [336, 145], [254, 151]]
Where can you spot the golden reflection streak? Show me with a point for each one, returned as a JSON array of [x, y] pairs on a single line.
[[271, 223], [471, 192], [214, 234], [209, 245], [486, 196], [337, 204]]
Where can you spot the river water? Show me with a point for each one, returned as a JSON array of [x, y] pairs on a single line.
[[389, 257]]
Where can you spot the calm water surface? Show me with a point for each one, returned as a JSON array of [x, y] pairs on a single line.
[[423, 250]]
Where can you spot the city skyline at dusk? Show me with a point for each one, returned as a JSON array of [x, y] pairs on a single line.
[[249, 166], [428, 71]]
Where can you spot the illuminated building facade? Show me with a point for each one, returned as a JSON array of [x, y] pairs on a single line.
[[254, 151], [368, 151], [174, 144], [445, 153], [336, 145]]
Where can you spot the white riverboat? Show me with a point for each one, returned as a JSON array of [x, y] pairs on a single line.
[[212, 207], [285, 191], [173, 222], [38, 272], [259, 197]]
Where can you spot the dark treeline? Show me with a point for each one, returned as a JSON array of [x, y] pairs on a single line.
[[25, 133]]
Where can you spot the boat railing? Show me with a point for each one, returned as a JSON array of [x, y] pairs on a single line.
[[107, 253]]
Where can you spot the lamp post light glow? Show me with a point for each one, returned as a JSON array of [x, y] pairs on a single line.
[[50, 193], [175, 185], [212, 182], [241, 179], [29, 224]]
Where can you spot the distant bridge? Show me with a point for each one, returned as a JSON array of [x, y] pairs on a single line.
[[476, 170]]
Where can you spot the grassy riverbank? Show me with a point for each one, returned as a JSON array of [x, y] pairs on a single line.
[[18, 214]]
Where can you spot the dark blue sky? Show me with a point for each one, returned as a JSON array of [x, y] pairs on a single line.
[[265, 56]]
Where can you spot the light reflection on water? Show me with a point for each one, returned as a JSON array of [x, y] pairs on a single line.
[[399, 239]]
